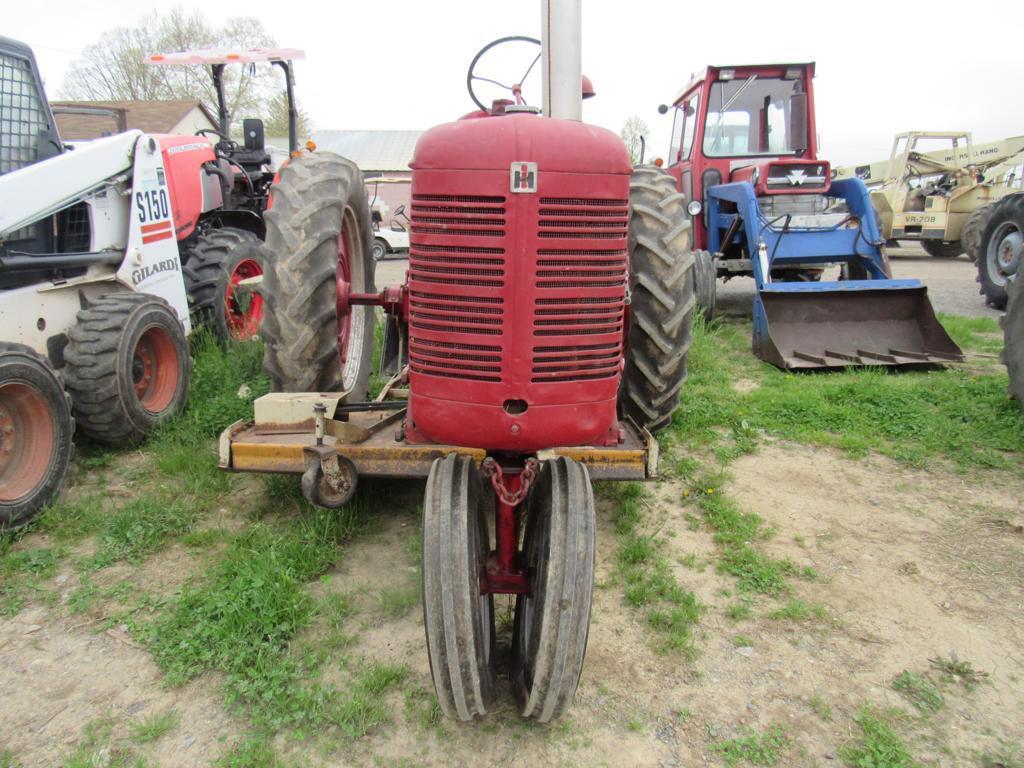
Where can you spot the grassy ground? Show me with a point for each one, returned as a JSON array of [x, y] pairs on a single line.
[[250, 612]]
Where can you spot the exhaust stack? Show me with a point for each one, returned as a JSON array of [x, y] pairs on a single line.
[[562, 54]]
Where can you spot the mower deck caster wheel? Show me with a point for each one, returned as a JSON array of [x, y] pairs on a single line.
[[459, 620], [330, 479], [552, 621]]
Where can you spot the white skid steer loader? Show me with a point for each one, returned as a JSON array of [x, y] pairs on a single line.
[[93, 309]]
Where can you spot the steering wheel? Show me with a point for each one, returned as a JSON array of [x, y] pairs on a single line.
[[226, 143], [517, 88]]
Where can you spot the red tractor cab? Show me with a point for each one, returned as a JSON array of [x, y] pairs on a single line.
[[220, 189], [744, 154]]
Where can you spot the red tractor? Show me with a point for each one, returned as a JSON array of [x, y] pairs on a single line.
[[220, 191], [541, 335], [744, 154]]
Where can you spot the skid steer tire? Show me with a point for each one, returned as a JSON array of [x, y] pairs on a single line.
[[662, 290], [973, 229], [705, 282], [318, 237], [36, 430], [126, 367], [1013, 339], [941, 250], [998, 261], [214, 264]]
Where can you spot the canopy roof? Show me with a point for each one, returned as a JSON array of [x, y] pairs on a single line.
[[225, 56]]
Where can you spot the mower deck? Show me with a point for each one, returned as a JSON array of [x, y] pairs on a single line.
[[374, 442]]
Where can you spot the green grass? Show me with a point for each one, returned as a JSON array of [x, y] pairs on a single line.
[[821, 707], [741, 641], [1006, 755], [396, 602], [959, 671], [649, 585], [911, 416], [252, 752], [796, 609], [7, 760], [919, 691], [737, 532], [879, 744], [155, 726], [756, 748]]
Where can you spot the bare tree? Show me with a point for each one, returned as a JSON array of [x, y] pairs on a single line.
[[632, 130], [112, 69], [276, 120]]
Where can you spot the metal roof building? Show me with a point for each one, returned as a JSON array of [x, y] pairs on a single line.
[[375, 152]]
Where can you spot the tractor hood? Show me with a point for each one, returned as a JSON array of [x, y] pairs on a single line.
[[496, 142], [786, 176]]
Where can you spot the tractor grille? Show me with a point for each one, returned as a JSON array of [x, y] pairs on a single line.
[[564, 260], [579, 306], [457, 268]]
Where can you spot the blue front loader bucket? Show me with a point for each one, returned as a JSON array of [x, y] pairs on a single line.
[[849, 323]]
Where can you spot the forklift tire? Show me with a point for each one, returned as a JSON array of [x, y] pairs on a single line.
[[552, 621], [380, 249], [126, 367], [941, 250], [36, 432], [318, 243], [1001, 251], [705, 282], [974, 228], [662, 290], [459, 621], [213, 267], [1013, 339]]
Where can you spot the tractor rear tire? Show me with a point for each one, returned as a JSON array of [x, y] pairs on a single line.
[[36, 431], [661, 308], [318, 241], [705, 280], [974, 228], [998, 259], [213, 266], [1013, 339], [552, 621], [940, 250], [126, 367], [459, 621]]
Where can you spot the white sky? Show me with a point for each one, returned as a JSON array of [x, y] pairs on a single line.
[[883, 67]]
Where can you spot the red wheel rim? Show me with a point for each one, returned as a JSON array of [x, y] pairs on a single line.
[[155, 369], [243, 310], [26, 439]]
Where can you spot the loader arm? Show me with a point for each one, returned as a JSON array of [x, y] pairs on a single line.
[[44, 188]]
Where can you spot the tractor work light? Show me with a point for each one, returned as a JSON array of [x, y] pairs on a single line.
[[694, 207]]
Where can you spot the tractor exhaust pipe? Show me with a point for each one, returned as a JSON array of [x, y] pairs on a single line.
[[562, 54]]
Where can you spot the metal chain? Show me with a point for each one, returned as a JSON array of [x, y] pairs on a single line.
[[492, 469]]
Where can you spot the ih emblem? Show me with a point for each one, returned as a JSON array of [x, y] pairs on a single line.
[[523, 177]]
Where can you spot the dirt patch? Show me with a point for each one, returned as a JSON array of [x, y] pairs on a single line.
[[911, 565]]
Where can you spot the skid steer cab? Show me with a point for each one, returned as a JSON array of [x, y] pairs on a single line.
[[763, 204]]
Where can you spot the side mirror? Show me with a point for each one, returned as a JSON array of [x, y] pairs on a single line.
[[798, 121]]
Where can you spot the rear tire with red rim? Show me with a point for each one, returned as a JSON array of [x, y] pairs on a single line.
[[213, 266], [318, 248], [35, 434], [127, 367]]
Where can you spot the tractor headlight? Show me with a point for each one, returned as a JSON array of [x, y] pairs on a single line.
[[694, 207]]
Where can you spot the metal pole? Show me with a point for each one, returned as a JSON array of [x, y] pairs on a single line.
[[562, 54]]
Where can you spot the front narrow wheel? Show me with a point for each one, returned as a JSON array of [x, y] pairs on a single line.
[[552, 622], [459, 620]]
